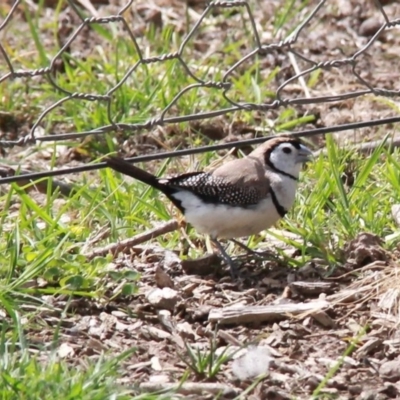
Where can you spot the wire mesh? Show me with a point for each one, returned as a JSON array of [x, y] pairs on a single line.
[[303, 61]]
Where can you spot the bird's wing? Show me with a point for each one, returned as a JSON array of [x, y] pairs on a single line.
[[248, 171], [223, 187]]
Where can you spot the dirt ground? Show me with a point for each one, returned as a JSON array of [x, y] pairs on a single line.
[[301, 345]]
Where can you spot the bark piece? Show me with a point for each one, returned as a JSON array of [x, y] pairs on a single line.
[[192, 388], [248, 314]]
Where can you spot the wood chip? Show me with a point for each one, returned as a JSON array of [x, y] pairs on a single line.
[[65, 351], [248, 314], [159, 379], [164, 316], [354, 326], [390, 299], [155, 364], [171, 260], [189, 288], [163, 279], [186, 331], [312, 288], [150, 332], [202, 266], [165, 298], [324, 319], [369, 346], [138, 366], [191, 388]]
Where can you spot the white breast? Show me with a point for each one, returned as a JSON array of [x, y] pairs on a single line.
[[284, 189], [222, 221]]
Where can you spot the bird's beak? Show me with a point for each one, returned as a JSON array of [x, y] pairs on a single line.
[[304, 154]]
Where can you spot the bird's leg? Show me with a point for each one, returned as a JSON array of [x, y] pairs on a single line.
[[243, 246], [233, 268], [265, 254]]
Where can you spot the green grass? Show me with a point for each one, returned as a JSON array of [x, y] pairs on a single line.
[[26, 376], [42, 238], [335, 212], [206, 364], [36, 243], [148, 90]]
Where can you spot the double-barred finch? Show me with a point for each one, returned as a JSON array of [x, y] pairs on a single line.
[[240, 198]]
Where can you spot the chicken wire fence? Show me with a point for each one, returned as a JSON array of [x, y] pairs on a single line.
[[303, 62]]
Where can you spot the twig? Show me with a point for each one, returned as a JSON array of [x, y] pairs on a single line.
[[115, 248], [229, 338], [346, 296], [297, 70]]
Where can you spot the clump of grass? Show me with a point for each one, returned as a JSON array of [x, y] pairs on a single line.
[[32, 373], [342, 194], [206, 364]]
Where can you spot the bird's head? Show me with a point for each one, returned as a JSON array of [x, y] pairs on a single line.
[[284, 154]]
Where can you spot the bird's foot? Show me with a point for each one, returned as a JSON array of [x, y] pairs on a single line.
[[234, 270], [235, 273], [265, 254]]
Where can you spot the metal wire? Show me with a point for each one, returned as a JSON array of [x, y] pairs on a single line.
[[224, 85], [184, 152]]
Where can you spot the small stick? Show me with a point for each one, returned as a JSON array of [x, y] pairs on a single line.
[[115, 248], [229, 338], [297, 71]]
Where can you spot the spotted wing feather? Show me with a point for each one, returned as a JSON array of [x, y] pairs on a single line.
[[216, 189]]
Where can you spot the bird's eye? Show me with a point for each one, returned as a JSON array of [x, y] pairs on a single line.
[[287, 150]]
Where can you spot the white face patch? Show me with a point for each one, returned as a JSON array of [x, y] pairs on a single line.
[[284, 157]]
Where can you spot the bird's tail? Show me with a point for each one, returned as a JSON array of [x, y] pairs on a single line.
[[124, 167]]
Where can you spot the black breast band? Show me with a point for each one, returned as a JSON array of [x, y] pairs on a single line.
[[281, 211]]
